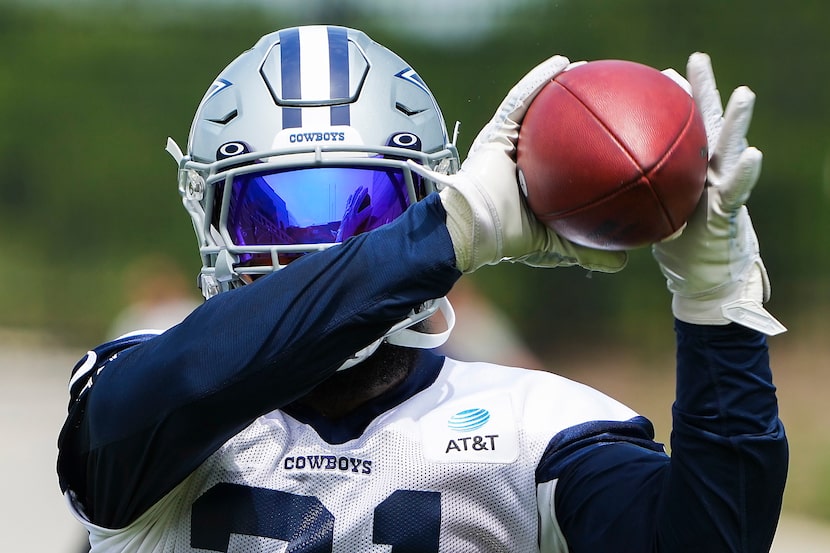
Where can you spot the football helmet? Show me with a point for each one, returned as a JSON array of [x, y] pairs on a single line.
[[301, 142]]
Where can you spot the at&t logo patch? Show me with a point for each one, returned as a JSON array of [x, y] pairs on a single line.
[[469, 420], [484, 432]]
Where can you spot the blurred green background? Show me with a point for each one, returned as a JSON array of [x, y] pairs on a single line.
[[89, 92]]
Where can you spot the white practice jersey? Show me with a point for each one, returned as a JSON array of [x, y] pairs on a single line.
[[452, 468]]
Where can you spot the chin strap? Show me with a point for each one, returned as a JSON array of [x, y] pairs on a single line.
[[400, 335], [403, 335]]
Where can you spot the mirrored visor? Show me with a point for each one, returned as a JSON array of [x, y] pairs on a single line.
[[315, 205]]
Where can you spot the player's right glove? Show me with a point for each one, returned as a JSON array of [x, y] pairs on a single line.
[[487, 216], [714, 269]]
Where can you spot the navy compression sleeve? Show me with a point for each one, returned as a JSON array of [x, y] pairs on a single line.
[[160, 408], [721, 490]]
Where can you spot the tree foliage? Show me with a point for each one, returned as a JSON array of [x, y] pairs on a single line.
[[87, 100]]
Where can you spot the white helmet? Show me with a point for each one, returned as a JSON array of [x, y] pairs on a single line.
[[309, 131]]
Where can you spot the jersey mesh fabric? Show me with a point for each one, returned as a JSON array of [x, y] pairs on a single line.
[[415, 479]]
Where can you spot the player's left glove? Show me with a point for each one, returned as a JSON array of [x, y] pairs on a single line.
[[487, 217], [714, 269]]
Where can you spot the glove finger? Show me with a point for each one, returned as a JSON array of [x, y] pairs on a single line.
[[605, 261], [514, 106], [678, 79], [706, 95], [602, 261], [738, 186], [736, 120], [522, 94], [550, 260]]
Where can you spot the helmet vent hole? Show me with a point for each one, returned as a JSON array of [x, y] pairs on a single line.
[[226, 119], [409, 112]]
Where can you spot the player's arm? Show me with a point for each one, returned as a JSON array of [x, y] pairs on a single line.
[[722, 488], [161, 407], [726, 406], [613, 489]]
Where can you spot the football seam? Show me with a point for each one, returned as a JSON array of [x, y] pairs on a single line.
[[662, 161], [605, 127], [625, 187], [643, 174]]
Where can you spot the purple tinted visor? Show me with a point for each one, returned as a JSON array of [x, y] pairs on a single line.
[[315, 205]]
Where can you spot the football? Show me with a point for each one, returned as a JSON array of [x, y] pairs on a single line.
[[612, 154]]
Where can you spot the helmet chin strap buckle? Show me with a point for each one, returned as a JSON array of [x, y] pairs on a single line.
[[222, 278], [209, 286]]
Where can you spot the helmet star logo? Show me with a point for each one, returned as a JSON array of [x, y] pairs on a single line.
[[216, 87], [411, 76]]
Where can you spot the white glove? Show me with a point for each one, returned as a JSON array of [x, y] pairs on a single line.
[[714, 268], [487, 217]]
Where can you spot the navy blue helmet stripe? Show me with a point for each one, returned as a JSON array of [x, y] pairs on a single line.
[[290, 77], [339, 73]]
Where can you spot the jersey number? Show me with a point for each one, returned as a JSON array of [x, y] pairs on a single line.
[[408, 520]]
